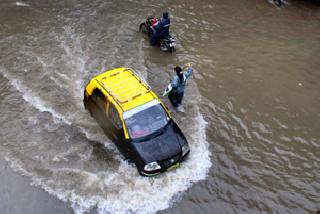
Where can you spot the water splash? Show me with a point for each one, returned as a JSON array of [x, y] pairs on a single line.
[[21, 4]]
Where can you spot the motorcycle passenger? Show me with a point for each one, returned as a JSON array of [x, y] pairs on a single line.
[[178, 83], [154, 25], [161, 29]]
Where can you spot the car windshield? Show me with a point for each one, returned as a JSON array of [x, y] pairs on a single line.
[[145, 120]]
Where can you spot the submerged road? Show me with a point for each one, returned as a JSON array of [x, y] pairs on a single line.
[[252, 106]]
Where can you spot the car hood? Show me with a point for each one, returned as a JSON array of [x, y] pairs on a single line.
[[163, 146]]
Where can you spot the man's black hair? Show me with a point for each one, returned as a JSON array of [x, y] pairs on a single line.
[[179, 73]]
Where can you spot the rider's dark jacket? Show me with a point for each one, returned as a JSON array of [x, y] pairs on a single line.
[[161, 29], [164, 27]]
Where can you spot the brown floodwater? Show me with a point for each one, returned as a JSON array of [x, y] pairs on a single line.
[[251, 108]]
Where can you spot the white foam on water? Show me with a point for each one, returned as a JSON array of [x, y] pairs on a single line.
[[181, 109], [122, 190], [33, 99], [71, 42], [148, 195], [42, 106], [125, 190], [138, 194], [37, 102], [21, 4]]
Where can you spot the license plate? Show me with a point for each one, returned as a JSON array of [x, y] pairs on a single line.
[[174, 166]]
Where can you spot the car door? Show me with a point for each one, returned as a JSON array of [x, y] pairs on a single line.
[[117, 129], [100, 111]]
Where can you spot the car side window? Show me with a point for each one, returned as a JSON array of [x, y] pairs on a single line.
[[114, 116], [99, 98]]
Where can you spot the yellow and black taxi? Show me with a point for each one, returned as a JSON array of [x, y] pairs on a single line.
[[140, 125]]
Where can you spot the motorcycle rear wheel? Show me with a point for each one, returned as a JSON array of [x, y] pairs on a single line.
[[143, 28]]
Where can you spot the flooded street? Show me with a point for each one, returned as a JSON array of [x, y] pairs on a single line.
[[252, 106]]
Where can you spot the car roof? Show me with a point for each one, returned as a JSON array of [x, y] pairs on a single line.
[[126, 88]]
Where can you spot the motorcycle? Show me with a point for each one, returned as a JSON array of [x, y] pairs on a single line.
[[167, 43]]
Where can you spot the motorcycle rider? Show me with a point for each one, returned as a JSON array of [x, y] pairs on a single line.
[[161, 29], [178, 83]]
